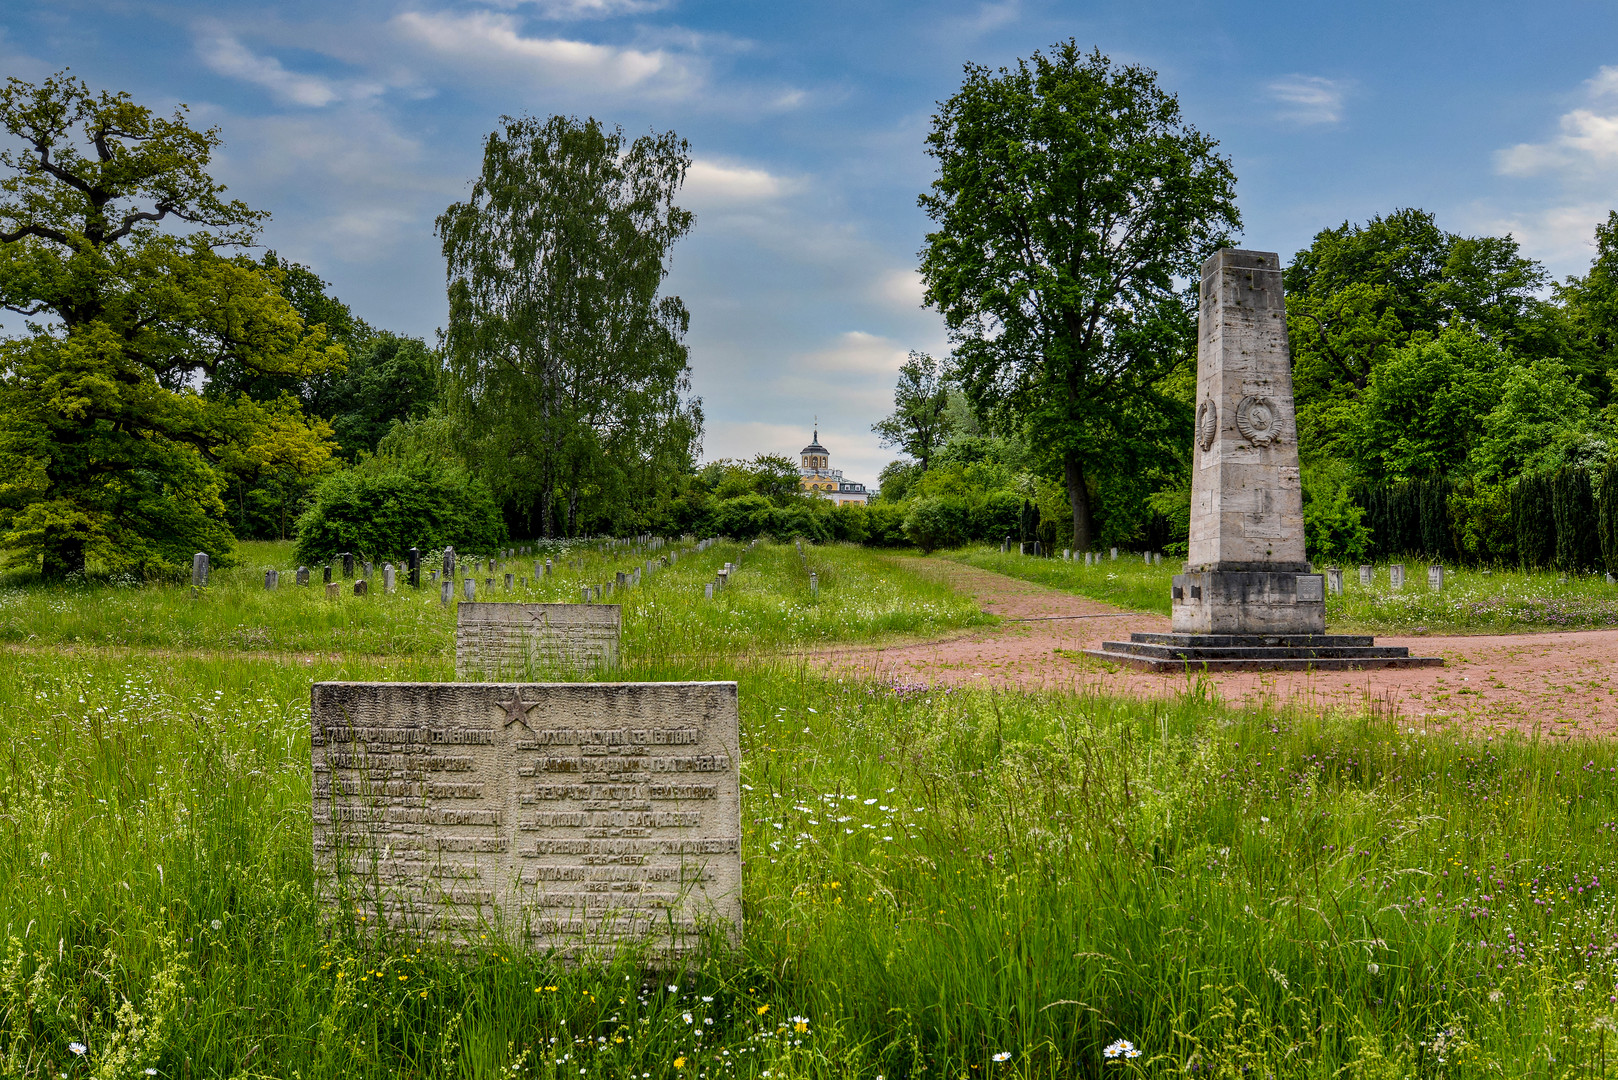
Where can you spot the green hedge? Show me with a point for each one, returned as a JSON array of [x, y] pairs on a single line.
[[377, 513]]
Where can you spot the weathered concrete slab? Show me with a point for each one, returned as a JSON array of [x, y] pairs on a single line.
[[514, 641], [566, 816]]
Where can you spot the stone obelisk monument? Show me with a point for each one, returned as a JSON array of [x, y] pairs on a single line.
[[1248, 597], [1245, 570]]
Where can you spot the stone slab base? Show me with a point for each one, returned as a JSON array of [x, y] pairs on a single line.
[[1249, 602], [1257, 652]]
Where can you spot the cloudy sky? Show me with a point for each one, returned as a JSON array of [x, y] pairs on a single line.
[[356, 123]]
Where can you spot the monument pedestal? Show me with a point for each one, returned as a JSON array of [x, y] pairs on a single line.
[[1249, 602], [1257, 652]]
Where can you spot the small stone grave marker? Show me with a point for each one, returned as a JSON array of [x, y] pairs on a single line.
[[508, 640]]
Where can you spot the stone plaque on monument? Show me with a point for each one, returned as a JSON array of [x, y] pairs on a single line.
[[504, 641], [569, 816]]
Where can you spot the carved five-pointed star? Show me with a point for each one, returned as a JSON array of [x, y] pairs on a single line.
[[517, 710]]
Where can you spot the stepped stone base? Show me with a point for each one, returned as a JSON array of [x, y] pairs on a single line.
[[1257, 652]]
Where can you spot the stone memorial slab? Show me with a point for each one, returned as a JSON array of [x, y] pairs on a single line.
[[574, 817], [1365, 576], [1396, 576], [387, 579], [348, 565], [506, 641], [413, 565], [1435, 578], [272, 579], [1334, 579], [199, 569], [362, 587], [303, 575], [332, 590]]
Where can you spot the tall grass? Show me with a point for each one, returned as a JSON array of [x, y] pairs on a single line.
[[932, 878], [768, 606], [1473, 600]]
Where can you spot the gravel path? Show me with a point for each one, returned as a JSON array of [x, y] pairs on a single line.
[[1557, 684]]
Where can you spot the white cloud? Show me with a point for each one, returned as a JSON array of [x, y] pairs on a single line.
[[1308, 99], [492, 45], [227, 56], [585, 9], [1587, 141], [1571, 172], [901, 288], [713, 183]]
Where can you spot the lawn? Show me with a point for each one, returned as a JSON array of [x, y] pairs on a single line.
[[937, 883], [1473, 601]]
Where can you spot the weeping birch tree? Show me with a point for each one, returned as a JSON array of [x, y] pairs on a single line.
[[568, 369]]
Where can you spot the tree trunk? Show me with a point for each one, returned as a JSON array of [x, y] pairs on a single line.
[[547, 511], [573, 512], [1078, 497]]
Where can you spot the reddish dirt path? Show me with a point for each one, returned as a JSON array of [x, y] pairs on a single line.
[[1557, 683]]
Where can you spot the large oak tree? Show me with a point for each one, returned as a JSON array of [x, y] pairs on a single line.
[[114, 244], [1073, 203]]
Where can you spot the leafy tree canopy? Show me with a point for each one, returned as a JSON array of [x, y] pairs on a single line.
[[1072, 203], [109, 442], [918, 424]]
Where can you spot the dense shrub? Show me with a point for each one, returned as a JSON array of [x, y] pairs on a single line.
[[383, 511], [936, 523], [996, 517], [1534, 521], [799, 522], [884, 524], [742, 517], [849, 524], [1578, 543]]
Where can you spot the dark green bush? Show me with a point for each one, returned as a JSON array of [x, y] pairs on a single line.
[[1578, 542], [884, 524], [997, 517], [936, 523], [1534, 520], [381, 512]]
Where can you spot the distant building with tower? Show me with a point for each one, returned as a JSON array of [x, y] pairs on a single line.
[[816, 475]]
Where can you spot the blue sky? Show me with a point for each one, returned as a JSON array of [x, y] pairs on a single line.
[[356, 123]]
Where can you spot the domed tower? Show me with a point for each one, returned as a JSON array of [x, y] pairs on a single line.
[[814, 457], [815, 474]]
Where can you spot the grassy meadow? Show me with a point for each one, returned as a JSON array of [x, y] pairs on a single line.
[[937, 883], [767, 605], [1495, 601]]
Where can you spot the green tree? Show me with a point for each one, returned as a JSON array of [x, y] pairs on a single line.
[[109, 442], [567, 370], [1359, 293], [1419, 413], [1542, 420], [918, 425], [1070, 198]]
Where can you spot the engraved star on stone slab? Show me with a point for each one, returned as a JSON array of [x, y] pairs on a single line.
[[517, 711]]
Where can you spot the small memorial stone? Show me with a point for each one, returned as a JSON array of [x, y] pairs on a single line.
[[508, 581], [332, 592], [199, 569], [1435, 578], [1114, 554], [326, 573], [1396, 576], [348, 565], [272, 579], [814, 585], [1334, 578], [362, 587], [707, 591], [456, 805], [446, 591], [469, 588], [387, 579], [1365, 576], [586, 592], [303, 575], [502, 641], [449, 563], [413, 565]]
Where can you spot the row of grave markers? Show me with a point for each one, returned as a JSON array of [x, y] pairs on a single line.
[[1091, 558]]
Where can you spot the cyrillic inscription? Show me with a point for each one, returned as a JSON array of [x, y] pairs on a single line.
[[577, 814], [524, 641]]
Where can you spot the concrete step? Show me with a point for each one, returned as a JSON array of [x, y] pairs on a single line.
[[1203, 652], [1228, 641], [1296, 663]]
